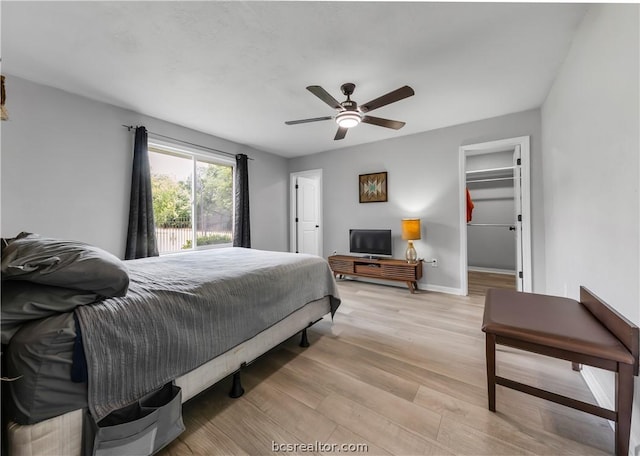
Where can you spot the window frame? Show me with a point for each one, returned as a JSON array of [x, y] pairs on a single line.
[[196, 154]]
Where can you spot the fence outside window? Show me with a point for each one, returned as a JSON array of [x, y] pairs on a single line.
[[177, 234]]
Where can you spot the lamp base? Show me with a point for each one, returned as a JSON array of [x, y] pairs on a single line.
[[411, 255]]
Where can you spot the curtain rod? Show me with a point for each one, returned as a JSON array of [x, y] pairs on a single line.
[[131, 127]]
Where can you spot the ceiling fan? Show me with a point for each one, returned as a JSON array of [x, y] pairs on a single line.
[[350, 114]]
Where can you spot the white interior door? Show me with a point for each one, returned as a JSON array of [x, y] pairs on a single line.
[[307, 216], [517, 191]]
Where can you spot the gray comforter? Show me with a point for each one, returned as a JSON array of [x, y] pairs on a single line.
[[183, 310]]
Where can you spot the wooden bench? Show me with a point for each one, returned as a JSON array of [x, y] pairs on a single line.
[[585, 332]]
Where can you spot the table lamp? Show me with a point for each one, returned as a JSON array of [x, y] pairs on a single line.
[[410, 233]]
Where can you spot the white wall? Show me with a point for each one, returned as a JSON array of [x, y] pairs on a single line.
[[66, 169], [591, 148], [423, 172]]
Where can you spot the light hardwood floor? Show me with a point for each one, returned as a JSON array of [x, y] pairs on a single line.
[[402, 374], [480, 282]]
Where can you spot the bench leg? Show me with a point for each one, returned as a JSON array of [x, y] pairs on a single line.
[[624, 403], [491, 370]]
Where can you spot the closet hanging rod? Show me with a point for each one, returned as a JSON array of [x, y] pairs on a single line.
[[497, 198], [493, 224], [491, 180]]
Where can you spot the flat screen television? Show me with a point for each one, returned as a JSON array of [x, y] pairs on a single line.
[[370, 242]]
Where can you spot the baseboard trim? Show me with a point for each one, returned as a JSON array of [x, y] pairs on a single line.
[[492, 270], [599, 393], [634, 445], [439, 289], [604, 400]]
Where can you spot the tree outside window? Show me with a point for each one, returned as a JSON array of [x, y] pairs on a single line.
[[192, 200]]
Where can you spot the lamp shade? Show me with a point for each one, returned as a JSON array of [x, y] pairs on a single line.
[[410, 229]]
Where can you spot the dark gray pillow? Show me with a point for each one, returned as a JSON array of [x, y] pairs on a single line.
[[4, 242], [23, 301], [66, 264]]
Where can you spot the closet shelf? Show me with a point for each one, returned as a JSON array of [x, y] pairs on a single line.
[[481, 172], [490, 175]]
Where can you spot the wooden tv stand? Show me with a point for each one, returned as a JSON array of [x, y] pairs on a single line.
[[385, 269]]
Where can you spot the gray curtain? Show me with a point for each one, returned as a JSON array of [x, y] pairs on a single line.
[[241, 228], [141, 235]]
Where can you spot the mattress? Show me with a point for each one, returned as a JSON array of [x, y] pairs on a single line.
[[43, 352], [179, 312], [62, 434], [182, 310]]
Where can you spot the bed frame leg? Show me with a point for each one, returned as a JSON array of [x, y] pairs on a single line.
[[236, 388], [304, 340]]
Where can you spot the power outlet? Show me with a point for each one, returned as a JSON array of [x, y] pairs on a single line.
[[434, 263]]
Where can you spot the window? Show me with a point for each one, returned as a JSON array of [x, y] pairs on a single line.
[[192, 198]]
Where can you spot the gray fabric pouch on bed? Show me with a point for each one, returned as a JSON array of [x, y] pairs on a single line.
[[140, 429]]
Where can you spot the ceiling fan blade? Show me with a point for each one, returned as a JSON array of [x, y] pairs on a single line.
[[315, 119], [325, 96], [341, 133], [391, 97], [395, 124]]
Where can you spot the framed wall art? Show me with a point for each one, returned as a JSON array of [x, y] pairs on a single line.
[[373, 187]]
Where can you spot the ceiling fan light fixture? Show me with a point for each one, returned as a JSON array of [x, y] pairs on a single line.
[[350, 114], [348, 119]]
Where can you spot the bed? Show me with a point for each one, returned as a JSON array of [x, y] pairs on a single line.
[[123, 330]]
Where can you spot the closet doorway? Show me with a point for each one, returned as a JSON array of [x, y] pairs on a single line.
[[495, 236]]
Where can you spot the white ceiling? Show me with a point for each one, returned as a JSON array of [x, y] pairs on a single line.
[[238, 70]]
